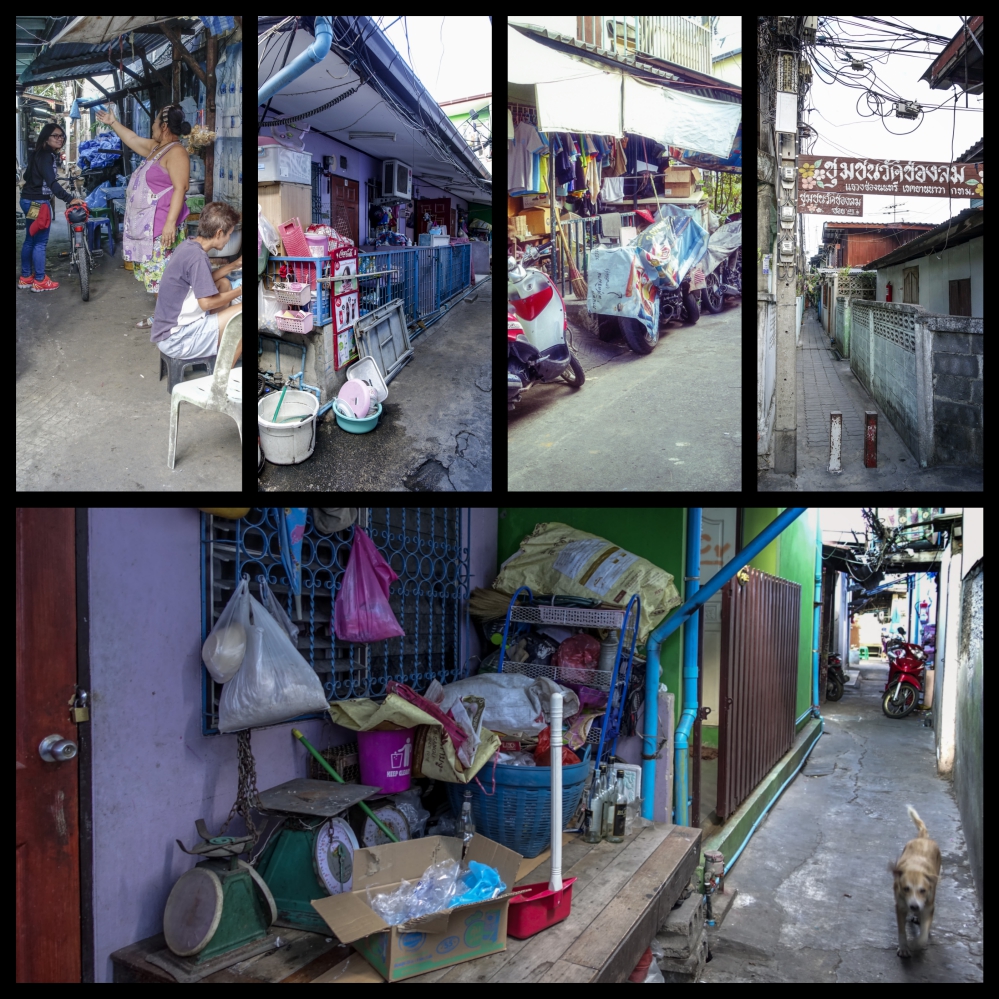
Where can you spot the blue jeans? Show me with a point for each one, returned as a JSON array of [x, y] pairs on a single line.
[[33, 250]]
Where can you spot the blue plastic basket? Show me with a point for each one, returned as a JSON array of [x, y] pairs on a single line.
[[518, 815]]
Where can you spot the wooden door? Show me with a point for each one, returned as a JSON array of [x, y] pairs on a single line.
[[343, 206], [960, 297], [439, 210], [47, 836]]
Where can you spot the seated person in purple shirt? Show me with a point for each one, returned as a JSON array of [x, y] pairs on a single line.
[[193, 308]]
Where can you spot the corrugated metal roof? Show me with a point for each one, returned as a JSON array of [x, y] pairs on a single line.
[[964, 226]]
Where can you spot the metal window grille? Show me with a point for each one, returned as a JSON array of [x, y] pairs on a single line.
[[427, 549]]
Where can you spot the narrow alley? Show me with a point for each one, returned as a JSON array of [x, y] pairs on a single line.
[[666, 421], [826, 384], [814, 895]]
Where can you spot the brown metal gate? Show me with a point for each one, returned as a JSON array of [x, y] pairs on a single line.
[[759, 664]]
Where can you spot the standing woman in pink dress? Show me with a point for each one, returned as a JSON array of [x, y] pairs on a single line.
[[154, 205]]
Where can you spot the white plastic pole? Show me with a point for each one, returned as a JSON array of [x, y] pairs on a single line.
[[555, 881]]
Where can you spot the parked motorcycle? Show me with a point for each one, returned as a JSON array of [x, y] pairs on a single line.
[[537, 342], [650, 280], [835, 677], [723, 266], [906, 666]]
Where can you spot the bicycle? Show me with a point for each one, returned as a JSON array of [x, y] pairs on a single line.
[[81, 237]]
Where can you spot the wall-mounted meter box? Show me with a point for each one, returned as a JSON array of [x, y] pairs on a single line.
[[787, 176], [787, 213], [787, 249]]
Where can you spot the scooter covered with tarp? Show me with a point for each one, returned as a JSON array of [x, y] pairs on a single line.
[[645, 285], [723, 266]]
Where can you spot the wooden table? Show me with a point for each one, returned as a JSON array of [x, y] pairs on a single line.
[[622, 894]]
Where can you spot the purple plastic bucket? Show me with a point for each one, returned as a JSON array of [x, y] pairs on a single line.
[[386, 759]]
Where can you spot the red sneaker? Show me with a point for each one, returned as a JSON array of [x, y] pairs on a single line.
[[25, 283], [47, 285]]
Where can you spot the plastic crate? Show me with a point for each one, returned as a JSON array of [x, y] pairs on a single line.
[[518, 814], [300, 323], [297, 293]]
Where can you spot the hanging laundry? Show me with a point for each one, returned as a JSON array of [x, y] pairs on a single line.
[[523, 168]]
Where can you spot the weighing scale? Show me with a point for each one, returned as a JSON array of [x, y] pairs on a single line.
[[218, 912], [310, 854]]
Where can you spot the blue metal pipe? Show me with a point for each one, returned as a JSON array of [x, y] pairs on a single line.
[[667, 627], [316, 52]]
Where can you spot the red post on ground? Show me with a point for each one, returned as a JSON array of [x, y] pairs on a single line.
[[871, 441]]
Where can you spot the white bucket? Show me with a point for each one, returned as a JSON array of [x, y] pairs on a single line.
[[287, 443]]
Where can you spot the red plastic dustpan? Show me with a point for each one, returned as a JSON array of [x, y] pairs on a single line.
[[537, 907]]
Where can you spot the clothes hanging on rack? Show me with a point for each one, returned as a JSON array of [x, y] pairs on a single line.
[[524, 166]]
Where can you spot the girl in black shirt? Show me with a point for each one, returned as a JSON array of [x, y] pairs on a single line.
[[36, 203]]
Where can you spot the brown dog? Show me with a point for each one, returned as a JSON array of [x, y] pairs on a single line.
[[916, 874]]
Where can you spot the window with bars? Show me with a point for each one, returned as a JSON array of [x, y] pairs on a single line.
[[427, 549]]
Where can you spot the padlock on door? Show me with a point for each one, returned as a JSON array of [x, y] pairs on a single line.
[[78, 710]]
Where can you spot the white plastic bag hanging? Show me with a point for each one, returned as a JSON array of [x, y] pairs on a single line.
[[274, 684], [279, 614], [225, 646]]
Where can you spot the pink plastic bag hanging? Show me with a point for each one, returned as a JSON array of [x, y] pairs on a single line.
[[361, 612]]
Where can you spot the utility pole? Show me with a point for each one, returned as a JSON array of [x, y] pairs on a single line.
[[786, 183]]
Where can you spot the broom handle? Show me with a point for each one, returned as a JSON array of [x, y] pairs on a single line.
[[315, 752]]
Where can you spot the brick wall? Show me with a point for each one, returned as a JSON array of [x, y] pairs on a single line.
[[957, 389]]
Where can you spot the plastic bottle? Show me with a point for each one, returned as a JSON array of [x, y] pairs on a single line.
[[466, 824], [619, 811]]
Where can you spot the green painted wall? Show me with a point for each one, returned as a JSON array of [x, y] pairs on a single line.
[[791, 556], [654, 534]]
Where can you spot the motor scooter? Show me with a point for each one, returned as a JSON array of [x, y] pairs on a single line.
[[906, 666], [835, 677], [537, 331], [724, 266]]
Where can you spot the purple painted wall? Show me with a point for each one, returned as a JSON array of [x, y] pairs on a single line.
[[154, 773]]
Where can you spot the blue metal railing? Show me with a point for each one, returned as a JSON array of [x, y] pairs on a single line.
[[427, 549]]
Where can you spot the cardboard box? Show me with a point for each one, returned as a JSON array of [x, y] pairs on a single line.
[[513, 205], [438, 941], [673, 190], [682, 175], [538, 220], [280, 202]]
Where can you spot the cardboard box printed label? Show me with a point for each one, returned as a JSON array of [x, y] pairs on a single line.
[[435, 941]]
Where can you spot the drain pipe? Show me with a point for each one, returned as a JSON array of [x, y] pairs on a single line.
[[692, 583], [652, 669], [316, 52]]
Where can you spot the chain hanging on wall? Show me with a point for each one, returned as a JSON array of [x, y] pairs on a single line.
[[247, 796]]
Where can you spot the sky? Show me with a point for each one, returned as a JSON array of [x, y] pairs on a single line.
[[833, 114], [452, 56]]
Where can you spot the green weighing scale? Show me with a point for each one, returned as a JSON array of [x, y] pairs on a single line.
[[310, 854], [219, 912]]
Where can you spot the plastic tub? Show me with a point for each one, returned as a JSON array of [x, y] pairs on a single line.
[[287, 443], [538, 908], [319, 245], [359, 426], [518, 815], [386, 758]]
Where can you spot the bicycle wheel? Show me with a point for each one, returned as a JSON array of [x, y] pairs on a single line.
[[83, 266]]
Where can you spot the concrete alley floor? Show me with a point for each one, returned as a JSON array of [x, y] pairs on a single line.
[[436, 430], [826, 384], [670, 420], [91, 411], [815, 900]]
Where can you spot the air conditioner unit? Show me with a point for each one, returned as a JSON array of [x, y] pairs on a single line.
[[397, 179]]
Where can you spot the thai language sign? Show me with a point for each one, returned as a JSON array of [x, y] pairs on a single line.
[[829, 203], [844, 175]]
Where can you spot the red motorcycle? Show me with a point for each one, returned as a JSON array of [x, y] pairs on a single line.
[[906, 665]]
